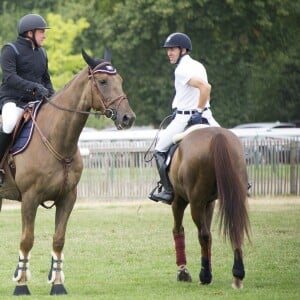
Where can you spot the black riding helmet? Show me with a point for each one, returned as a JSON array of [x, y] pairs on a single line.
[[179, 40], [31, 22]]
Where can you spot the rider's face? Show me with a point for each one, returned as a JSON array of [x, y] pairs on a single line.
[[173, 54], [40, 36]]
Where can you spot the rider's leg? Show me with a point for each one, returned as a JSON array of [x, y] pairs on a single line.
[[10, 115], [166, 194]]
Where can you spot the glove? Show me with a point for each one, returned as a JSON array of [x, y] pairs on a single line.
[[40, 91], [196, 118], [173, 114]]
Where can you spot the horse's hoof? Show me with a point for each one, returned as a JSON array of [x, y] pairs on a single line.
[[21, 290], [205, 276], [237, 283], [183, 274], [58, 289]]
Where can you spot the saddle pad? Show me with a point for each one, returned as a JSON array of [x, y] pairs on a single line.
[[179, 136], [24, 137]]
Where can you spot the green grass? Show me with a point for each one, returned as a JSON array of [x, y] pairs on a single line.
[[125, 251]]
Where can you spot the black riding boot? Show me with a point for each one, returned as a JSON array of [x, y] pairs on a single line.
[[5, 139], [163, 191]]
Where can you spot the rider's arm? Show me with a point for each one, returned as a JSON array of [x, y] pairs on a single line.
[[204, 88]]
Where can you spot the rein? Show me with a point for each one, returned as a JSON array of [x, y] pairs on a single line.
[[66, 161], [154, 141]]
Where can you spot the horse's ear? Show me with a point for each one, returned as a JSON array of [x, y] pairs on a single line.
[[107, 55], [88, 59]]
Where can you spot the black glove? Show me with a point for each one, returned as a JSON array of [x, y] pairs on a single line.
[[173, 114], [40, 92], [196, 118]]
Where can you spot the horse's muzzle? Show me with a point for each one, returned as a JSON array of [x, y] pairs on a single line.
[[125, 121]]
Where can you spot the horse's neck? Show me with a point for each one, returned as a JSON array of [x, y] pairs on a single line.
[[63, 127]]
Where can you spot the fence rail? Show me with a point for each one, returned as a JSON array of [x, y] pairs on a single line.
[[119, 171]]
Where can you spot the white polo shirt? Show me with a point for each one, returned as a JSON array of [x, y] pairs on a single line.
[[186, 96]]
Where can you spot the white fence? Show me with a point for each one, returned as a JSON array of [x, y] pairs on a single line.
[[115, 166]]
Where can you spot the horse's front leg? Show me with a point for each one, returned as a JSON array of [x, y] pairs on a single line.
[[22, 273], [178, 208], [63, 210]]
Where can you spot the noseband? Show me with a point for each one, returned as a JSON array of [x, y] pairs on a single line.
[[105, 67]]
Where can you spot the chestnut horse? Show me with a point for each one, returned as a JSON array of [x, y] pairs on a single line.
[[50, 168], [208, 165]]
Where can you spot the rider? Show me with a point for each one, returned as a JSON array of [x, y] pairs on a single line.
[[25, 75], [191, 106]]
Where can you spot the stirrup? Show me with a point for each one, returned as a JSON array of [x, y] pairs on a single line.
[[157, 189]]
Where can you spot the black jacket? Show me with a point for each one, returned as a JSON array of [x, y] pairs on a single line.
[[22, 71]]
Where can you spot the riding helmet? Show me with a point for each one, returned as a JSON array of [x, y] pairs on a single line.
[[31, 22], [178, 39]]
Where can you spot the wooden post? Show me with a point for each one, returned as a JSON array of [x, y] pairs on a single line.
[[294, 161]]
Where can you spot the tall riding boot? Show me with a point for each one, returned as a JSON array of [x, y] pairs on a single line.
[[163, 192], [5, 139]]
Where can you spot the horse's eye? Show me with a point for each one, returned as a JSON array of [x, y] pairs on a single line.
[[102, 81]]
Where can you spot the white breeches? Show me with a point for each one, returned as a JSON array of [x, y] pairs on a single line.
[[207, 114], [165, 136], [177, 126], [10, 115]]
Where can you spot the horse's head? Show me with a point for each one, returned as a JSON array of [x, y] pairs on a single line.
[[107, 91]]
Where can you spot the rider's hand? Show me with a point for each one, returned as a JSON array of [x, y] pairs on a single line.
[[173, 114], [40, 92], [196, 118]]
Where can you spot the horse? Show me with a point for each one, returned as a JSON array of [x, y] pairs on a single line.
[[209, 164], [50, 168]]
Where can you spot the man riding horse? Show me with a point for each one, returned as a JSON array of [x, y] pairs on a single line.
[[26, 78], [191, 106]]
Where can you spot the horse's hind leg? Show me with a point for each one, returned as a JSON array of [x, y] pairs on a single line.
[[56, 276], [202, 218], [238, 270], [179, 239]]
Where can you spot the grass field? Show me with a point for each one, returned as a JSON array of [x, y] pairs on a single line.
[[125, 251]]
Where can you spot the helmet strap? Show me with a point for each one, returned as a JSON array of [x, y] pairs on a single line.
[[181, 55], [33, 38]]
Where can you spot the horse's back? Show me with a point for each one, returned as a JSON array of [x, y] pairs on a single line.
[[199, 142], [194, 160]]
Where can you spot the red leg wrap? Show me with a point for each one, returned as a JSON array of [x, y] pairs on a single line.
[[180, 249]]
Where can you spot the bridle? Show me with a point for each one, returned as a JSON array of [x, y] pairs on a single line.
[[104, 102]]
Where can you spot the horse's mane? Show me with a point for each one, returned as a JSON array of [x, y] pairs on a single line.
[[68, 83]]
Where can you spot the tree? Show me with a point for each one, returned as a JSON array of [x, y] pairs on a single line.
[[250, 50]]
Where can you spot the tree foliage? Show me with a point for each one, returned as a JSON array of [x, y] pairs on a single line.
[[249, 48]]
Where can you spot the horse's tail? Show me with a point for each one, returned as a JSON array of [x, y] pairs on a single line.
[[232, 193]]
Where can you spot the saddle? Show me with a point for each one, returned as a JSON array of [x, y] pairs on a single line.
[[23, 131], [177, 138]]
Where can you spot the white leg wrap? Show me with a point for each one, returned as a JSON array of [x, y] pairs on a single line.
[[56, 266], [23, 265]]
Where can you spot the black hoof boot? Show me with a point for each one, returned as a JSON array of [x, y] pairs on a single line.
[[205, 275], [21, 290], [58, 289]]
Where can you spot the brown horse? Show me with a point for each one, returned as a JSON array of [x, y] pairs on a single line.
[[208, 165], [50, 168]]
